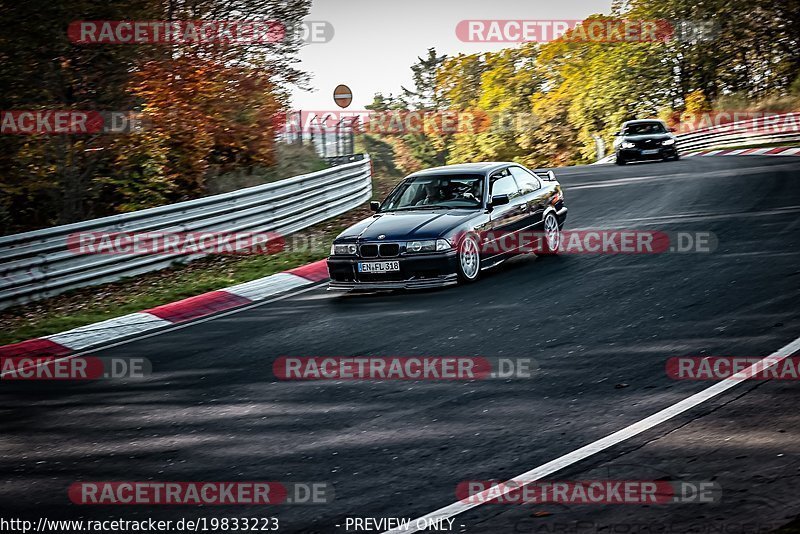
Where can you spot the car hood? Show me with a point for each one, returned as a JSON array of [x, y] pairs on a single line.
[[422, 224]]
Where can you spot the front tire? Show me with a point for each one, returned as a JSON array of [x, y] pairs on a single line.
[[619, 161], [469, 259]]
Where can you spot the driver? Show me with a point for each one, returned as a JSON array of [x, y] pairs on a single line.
[[434, 192], [475, 191]]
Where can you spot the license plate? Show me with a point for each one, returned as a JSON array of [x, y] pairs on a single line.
[[378, 266], [651, 151]]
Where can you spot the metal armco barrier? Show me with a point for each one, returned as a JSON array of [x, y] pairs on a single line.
[[38, 264], [752, 132], [770, 129], [347, 158]]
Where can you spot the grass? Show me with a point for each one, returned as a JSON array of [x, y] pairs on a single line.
[[97, 303]]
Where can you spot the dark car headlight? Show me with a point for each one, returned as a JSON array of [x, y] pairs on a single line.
[[667, 142], [627, 144], [343, 249], [428, 245]]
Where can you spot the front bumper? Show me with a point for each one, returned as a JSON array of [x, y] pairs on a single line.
[[418, 271], [635, 154]]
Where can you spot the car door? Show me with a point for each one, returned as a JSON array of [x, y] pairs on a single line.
[[505, 220], [535, 193]]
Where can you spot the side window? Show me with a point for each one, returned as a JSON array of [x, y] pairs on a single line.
[[528, 183], [502, 183]]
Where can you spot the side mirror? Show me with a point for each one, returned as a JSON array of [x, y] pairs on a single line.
[[499, 200], [617, 134], [551, 176], [374, 205]]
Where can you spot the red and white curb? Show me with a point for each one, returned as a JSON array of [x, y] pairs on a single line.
[[168, 314], [769, 151], [773, 151]]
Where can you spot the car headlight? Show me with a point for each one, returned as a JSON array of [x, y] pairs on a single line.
[[430, 245], [668, 142], [348, 248], [627, 144]]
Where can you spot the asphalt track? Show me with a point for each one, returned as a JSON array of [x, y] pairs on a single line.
[[601, 328]]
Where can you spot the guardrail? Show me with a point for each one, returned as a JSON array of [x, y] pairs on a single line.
[[743, 133], [347, 158], [39, 264], [758, 131]]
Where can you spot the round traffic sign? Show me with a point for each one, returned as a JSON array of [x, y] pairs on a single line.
[[342, 95]]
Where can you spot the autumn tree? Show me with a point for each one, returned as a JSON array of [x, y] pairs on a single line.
[[207, 107]]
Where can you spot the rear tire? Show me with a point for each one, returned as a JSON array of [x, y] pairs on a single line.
[[551, 243], [469, 260]]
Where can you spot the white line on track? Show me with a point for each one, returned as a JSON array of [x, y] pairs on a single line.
[[591, 449]]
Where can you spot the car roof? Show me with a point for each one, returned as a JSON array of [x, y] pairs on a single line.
[[481, 167]]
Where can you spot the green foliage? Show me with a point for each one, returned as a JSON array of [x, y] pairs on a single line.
[[425, 93], [381, 152], [291, 159], [731, 54], [794, 89], [696, 102]]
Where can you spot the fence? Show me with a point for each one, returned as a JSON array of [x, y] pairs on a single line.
[[38, 264]]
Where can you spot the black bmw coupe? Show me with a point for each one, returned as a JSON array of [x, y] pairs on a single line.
[[444, 225], [643, 140]]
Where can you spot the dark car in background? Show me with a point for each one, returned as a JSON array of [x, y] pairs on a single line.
[[643, 140], [439, 227]]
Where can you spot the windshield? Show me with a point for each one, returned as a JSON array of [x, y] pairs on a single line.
[[437, 192], [644, 128]]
